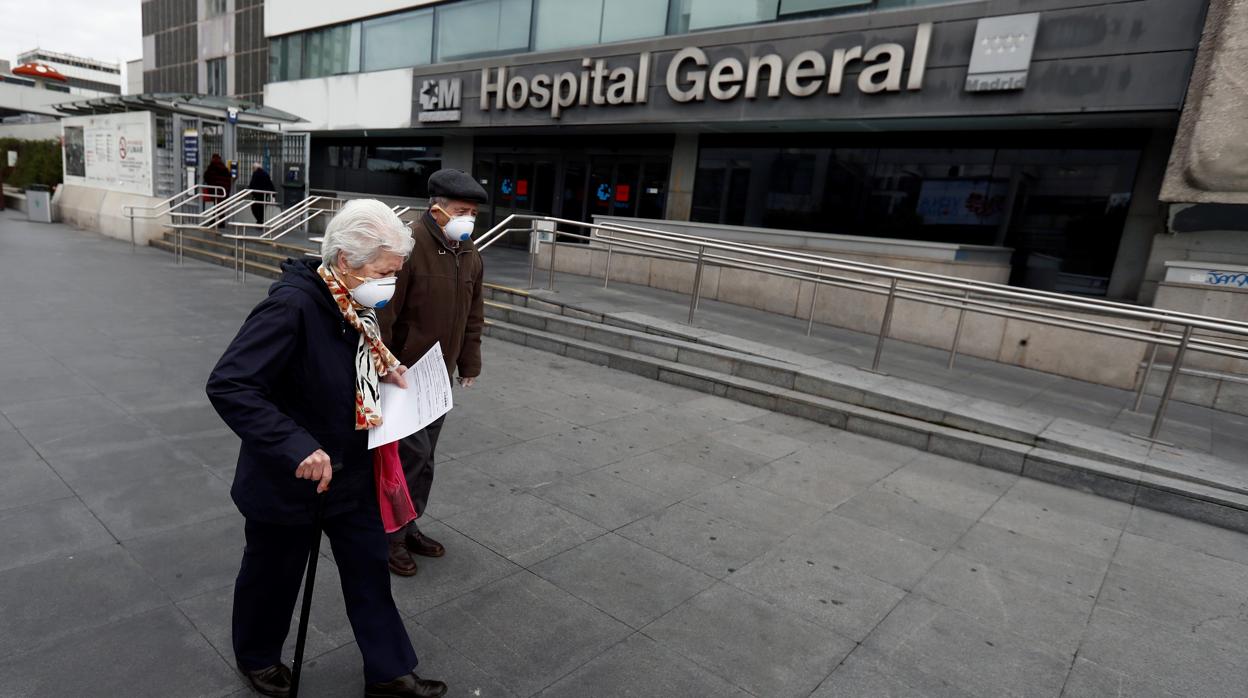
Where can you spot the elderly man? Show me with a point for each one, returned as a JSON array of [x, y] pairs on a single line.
[[437, 299], [299, 386]]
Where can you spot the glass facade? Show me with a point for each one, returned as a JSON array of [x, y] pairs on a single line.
[[1061, 207], [387, 167], [476, 28]]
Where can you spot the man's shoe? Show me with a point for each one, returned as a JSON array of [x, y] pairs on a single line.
[[420, 544], [407, 686], [401, 562], [270, 681]]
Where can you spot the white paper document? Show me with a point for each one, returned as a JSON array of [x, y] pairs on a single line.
[[406, 411]]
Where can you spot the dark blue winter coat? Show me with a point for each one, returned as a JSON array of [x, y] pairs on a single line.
[[286, 386]]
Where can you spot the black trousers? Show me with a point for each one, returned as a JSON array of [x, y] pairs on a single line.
[[257, 211], [416, 453], [268, 587]]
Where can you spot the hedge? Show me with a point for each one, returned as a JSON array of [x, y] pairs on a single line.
[[38, 162]]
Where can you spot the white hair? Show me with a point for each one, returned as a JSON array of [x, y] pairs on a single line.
[[361, 231]]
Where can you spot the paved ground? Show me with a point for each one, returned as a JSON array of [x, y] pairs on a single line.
[[607, 535], [1196, 428]]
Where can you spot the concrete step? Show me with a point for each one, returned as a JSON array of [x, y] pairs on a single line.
[[222, 246], [973, 430], [256, 268]]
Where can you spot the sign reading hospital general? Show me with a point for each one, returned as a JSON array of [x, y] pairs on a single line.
[[110, 151]]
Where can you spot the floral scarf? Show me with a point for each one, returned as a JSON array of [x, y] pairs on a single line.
[[372, 358]]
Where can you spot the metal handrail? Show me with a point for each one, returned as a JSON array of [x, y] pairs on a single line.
[[213, 217], [192, 194], [1041, 307], [277, 227]]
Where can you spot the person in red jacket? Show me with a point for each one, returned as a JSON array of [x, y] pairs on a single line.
[[217, 175]]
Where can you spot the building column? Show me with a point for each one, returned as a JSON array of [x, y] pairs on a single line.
[[680, 182], [457, 153], [1144, 219]]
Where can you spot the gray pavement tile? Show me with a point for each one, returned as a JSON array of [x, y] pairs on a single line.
[[1008, 603], [1185, 533], [22, 363], [217, 450], [642, 428], [764, 443], [603, 498], [1072, 503], [819, 475], [662, 473], [586, 411], [459, 488], [754, 508], [442, 662], [140, 507], [589, 448], [949, 485], [524, 631], [58, 598], [718, 411], [639, 666], [467, 565], [623, 579], [1046, 564], [524, 424], [49, 421], [1091, 680], [27, 481], [143, 655], [464, 437], [819, 591], [905, 517], [1202, 610], [1039, 522], [18, 390], [180, 419], [924, 638], [711, 454], [1163, 656], [527, 464], [760, 647], [1177, 562], [525, 529], [868, 448], [700, 540], [193, 559], [796, 427], [116, 464], [48, 530], [858, 547], [866, 672]]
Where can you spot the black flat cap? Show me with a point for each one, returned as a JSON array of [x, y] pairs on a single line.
[[457, 185]]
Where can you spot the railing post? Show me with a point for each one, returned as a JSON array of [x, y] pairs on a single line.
[[554, 247], [1170, 381], [132, 245], [243, 264], [814, 294], [885, 324], [697, 283], [606, 273], [1148, 371], [957, 332], [534, 248]]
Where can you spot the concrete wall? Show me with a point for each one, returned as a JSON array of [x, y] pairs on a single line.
[[1076, 354], [98, 210], [1229, 303], [1214, 246]]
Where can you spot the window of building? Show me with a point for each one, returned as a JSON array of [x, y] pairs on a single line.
[[375, 166], [212, 8], [216, 84], [623, 20], [332, 51], [792, 7], [568, 23], [398, 41], [692, 15], [482, 27]]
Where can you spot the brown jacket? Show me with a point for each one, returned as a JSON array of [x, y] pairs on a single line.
[[437, 299]]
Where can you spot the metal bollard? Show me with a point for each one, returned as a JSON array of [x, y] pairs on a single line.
[[885, 325], [697, 284], [1170, 382]]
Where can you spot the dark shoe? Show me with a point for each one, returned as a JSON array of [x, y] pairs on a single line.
[[420, 544], [270, 681], [401, 562], [409, 686]]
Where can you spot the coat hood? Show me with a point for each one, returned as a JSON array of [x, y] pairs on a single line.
[[301, 274]]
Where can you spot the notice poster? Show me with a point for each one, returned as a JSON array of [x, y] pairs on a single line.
[[110, 151], [962, 201]]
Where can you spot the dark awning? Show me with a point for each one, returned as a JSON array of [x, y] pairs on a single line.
[[201, 106]]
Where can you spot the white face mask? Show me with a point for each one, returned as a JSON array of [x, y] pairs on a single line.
[[460, 228], [373, 293]]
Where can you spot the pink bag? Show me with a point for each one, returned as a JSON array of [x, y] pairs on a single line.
[[392, 496]]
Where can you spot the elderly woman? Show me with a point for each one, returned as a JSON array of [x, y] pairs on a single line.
[[299, 385]]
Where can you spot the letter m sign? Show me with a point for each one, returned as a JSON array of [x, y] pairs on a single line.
[[439, 100]]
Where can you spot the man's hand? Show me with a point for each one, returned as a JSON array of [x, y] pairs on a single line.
[[395, 375], [316, 467], [467, 382]]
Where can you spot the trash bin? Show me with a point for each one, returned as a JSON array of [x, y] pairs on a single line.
[[39, 203]]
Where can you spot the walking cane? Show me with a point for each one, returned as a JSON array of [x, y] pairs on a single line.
[[309, 581]]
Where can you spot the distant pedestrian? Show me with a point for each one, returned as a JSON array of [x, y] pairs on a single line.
[[437, 299], [217, 175], [260, 181], [299, 385]]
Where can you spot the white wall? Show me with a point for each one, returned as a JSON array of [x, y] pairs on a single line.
[[343, 102], [286, 16]]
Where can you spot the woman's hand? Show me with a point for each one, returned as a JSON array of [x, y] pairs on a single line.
[[316, 467], [395, 375]]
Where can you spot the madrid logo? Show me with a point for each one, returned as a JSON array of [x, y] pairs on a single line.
[[439, 100]]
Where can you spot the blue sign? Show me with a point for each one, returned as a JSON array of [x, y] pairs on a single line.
[[604, 192], [190, 150], [506, 187]]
